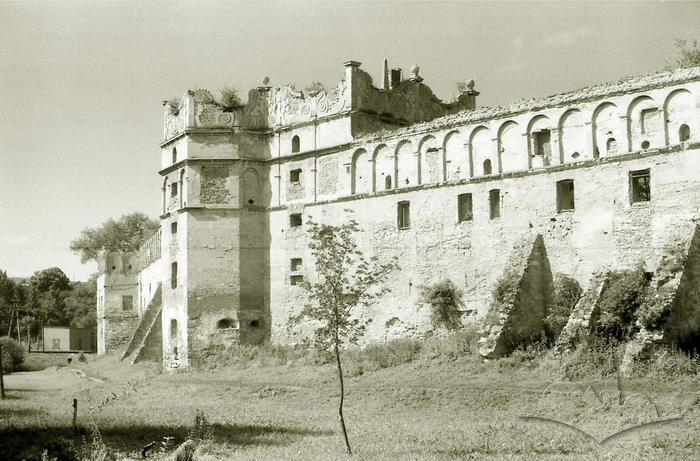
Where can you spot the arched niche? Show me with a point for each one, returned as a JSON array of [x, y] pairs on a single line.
[[609, 134], [383, 168], [361, 172], [130, 262], [511, 147], [573, 138], [250, 185], [540, 141], [482, 148], [430, 160], [645, 124], [680, 111], [113, 262], [164, 192], [456, 157], [406, 165]]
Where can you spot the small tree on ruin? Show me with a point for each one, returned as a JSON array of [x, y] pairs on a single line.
[[344, 282]]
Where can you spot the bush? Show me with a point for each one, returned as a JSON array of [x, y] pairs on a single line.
[[457, 344], [12, 355], [667, 365], [315, 88], [597, 357], [567, 292], [619, 302], [445, 302], [174, 106], [229, 98], [376, 356]]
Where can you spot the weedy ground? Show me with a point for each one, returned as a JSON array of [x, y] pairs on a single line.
[[433, 400]]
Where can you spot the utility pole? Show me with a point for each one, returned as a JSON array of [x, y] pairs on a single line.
[[2, 380]]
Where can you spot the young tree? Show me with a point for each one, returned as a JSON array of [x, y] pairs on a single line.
[[125, 234], [344, 282]]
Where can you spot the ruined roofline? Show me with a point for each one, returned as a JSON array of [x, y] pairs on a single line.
[[590, 93]]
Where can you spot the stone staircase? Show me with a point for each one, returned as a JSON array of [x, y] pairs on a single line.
[[145, 343]]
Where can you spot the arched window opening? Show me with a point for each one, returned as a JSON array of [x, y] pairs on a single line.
[[174, 155], [611, 146], [487, 166], [173, 336], [683, 133], [295, 144], [182, 190], [387, 182], [164, 192]]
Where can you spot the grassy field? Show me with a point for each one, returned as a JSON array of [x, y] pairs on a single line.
[[408, 402]]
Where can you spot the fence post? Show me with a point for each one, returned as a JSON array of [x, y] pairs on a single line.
[[2, 380], [75, 415]]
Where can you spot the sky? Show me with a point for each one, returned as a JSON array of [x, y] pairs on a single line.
[[81, 83]]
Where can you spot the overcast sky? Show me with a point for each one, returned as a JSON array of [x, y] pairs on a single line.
[[81, 83]]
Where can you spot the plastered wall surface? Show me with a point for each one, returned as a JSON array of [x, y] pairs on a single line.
[[244, 184]]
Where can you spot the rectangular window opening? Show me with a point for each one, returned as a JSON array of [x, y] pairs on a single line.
[[173, 227], [295, 264], [295, 175], [127, 302], [464, 207], [295, 279], [403, 215], [295, 220], [173, 275], [565, 195], [494, 203], [173, 190], [543, 143], [640, 186]]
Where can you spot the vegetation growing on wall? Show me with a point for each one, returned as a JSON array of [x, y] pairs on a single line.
[[315, 88], [567, 292], [174, 106], [688, 56], [445, 301], [618, 303], [229, 98]]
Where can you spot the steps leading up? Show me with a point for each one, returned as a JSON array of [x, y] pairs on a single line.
[[149, 322]]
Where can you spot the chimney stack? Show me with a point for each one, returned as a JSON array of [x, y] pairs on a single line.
[[395, 77]]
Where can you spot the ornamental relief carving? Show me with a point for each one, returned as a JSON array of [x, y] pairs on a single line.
[[290, 106]]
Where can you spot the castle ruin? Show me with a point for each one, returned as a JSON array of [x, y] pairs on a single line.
[[578, 183]]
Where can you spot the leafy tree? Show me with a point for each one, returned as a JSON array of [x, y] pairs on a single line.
[[46, 279], [345, 281], [54, 307], [81, 303], [687, 56], [124, 234]]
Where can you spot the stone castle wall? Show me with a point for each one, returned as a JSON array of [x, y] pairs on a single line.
[[239, 185]]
